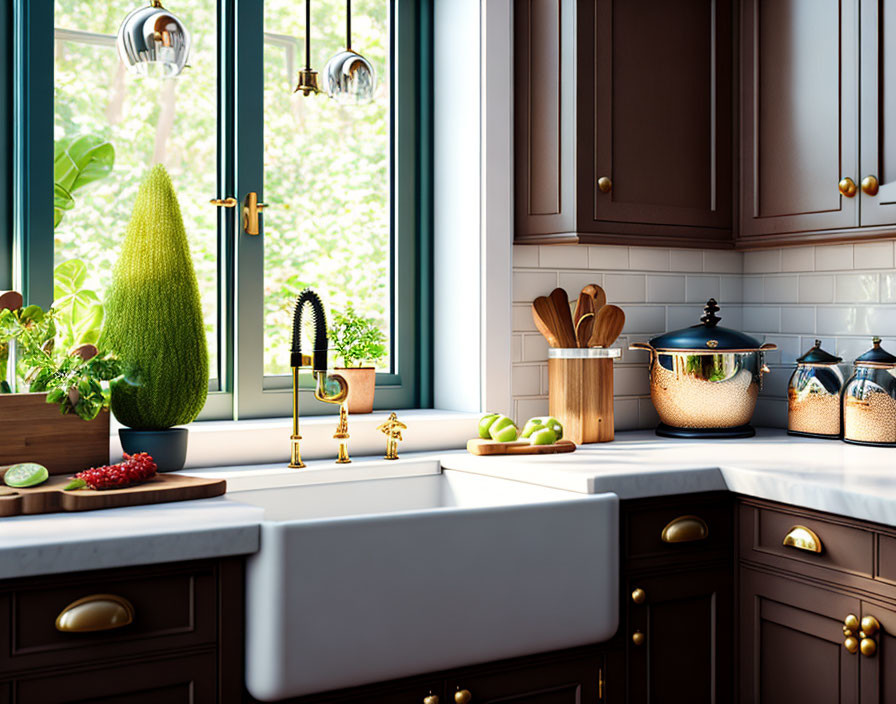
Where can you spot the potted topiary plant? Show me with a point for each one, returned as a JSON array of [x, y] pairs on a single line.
[[154, 325], [357, 340]]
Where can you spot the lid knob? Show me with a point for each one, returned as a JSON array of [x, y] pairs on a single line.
[[710, 319], [876, 342]]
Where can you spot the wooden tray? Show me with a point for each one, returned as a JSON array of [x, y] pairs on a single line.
[[492, 447], [50, 498]]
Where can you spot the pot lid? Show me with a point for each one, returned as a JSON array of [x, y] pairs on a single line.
[[708, 335], [816, 355], [876, 355]]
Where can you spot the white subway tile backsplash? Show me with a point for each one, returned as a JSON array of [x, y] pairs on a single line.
[[686, 260], [873, 255], [720, 261], [816, 289], [758, 319], [526, 380], [766, 261], [781, 289], [525, 255], [798, 259], [699, 289], [856, 288], [775, 295], [625, 288], [644, 319], [665, 289], [535, 348], [563, 256], [528, 285], [608, 258], [836, 257], [649, 258], [798, 319]]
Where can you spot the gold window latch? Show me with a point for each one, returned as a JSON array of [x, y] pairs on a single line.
[[251, 210]]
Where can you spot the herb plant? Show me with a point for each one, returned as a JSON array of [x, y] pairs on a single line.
[[356, 339]]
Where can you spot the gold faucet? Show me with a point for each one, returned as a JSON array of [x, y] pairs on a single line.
[[324, 389]]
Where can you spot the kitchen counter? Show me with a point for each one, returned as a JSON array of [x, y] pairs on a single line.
[[121, 537], [825, 475]]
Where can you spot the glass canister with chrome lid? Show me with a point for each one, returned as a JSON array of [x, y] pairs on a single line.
[[869, 400], [813, 395]]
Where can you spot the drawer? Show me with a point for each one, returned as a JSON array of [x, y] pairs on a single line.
[[887, 559], [844, 548], [187, 679], [699, 527], [172, 608]]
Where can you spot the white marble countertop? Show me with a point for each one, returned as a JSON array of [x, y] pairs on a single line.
[[121, 537], [826, 475]]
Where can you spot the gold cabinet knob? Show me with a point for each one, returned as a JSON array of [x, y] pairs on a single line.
[[868, 647], [463, 696], [847, 187], [638, 638], [97, 612], [870, 185], [431, 699], [851, 622], [229, 202], [870, 626], [639, 596], [604, 184], [851, 644]]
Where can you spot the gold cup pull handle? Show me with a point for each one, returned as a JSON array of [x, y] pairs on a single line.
[[847, 187], [97, 612], [870, 185], [685, 529], [802, 538]]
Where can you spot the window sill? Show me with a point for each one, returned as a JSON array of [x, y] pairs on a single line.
[[245, 442]]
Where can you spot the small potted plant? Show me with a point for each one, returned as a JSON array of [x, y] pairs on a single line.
[[358, 340]]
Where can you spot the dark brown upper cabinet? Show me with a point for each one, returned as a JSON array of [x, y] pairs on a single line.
[[811, 169], [623, 121]]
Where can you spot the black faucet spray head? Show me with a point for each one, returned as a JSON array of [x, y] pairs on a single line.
[[319, 352]]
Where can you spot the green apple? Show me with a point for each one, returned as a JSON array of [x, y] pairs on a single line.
[[485, 423], [503, 429], [534, 424], [544, 436]]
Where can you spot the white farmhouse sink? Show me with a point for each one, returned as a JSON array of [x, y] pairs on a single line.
[[365, 581]]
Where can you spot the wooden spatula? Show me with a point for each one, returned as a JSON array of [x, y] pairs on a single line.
[[608, 323], [546, 320], [598, 295], [566, 332], [584, 305]]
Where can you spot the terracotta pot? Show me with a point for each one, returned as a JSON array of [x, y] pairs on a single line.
[[361, 387]]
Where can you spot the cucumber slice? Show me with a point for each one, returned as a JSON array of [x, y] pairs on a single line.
[[25, 474]]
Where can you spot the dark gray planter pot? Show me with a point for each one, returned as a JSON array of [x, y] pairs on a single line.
[[167, 447]]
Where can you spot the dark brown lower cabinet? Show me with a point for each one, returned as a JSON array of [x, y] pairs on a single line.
[[680, 637], [791, 642]]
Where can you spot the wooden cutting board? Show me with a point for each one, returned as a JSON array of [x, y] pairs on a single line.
[[50, 498], [492, 447]]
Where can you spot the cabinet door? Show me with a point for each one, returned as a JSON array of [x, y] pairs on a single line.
[[799, 127], [878, 76], [791, 643], [660, 117], [680, 638], [878, 671], [575, 681]]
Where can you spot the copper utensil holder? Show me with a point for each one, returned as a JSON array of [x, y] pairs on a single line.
[[580, 392]]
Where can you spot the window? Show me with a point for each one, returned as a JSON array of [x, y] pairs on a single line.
[[345, 187]]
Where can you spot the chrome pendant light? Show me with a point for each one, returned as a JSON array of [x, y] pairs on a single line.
[[308, 84], [349, 78], [153, 42]]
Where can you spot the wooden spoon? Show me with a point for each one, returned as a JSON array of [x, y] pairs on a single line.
[[608, 323], [566, 333], [546, 320], [584, 305], [598, 295]]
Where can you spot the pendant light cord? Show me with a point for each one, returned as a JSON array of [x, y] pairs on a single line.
[[348, 25], [307, 35]]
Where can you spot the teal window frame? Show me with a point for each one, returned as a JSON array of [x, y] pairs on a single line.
[[242, 390]]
